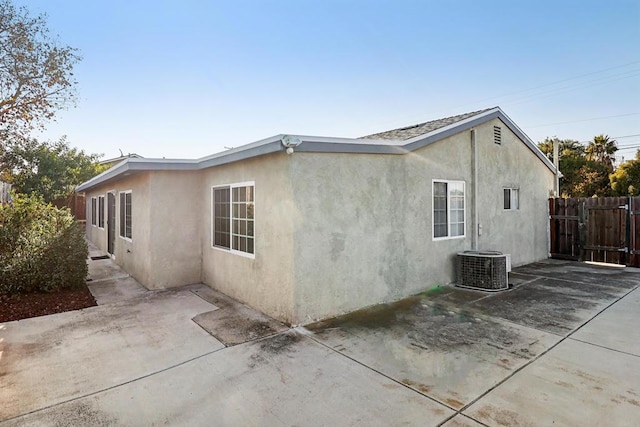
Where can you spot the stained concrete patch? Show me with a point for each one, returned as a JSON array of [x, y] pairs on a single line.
[[283, 380], [82, 412], [50, 359], [462, 421], [575, 384], [556, 306], [235, 324], [579, 272], [451, 356], [617, 328], [108, 291], [216, 298]]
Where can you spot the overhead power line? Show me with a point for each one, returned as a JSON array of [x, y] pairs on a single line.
[[583, 120]]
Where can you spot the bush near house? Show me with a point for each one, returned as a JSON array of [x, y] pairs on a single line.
[[42, 248]]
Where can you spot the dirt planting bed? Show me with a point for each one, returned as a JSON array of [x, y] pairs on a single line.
[[22, 306]]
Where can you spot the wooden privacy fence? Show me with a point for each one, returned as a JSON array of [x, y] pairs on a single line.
[[603, 229], [76, 203], [4, 193]]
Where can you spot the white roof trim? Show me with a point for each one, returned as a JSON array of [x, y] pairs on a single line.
[[317, 144], [455, 125]]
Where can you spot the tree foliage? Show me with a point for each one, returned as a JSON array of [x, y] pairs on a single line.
[[572, 160], [36, 72], [49, 169], [585, 170], [602, 149], [625, 181], [42, 248]]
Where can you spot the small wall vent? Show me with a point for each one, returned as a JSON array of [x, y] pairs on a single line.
[[484, 270], [497, 134]]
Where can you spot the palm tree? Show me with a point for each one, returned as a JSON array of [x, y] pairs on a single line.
[[602, 150]]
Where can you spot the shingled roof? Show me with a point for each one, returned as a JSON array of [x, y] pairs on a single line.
[[422, 128]]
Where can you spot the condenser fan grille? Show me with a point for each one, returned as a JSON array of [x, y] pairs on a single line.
[[483, 270]]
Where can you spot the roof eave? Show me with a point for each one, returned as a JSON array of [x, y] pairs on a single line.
[[470, 122]]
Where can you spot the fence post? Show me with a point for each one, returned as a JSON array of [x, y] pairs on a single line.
[[582, 229]]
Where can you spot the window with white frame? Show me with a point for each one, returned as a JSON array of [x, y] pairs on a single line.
[[233, 217], [511, 199], [101, 211], [93, 211], [448, 209], [125, 214]]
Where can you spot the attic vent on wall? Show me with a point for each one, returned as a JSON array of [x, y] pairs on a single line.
[[497, 134]]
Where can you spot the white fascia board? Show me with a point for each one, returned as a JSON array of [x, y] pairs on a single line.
[[265, 141], [457, 127], [322, 144], [137, 164], [264, 146], [104, 176], [356, 141], [316, 144], [528, 142]]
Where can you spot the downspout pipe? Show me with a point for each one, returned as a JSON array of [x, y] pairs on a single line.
[[556, 163], [474, 201]]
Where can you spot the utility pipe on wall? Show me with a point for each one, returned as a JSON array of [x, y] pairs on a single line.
[[556, 163], [474, 203]]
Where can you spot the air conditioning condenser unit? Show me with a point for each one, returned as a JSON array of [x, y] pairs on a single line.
[[484, 270]]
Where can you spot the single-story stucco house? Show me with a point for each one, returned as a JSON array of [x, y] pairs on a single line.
[[304, 228]]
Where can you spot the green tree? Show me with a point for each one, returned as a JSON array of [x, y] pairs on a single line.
[[36, 71], [625, 181], [594, 180], [566, 148], [572, 160], [49, 169], [602, 149]]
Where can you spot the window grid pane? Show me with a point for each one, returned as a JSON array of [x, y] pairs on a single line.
[[222, 219], [233, 218], [243, 215], [511, 198], [122, 214], [448, 209], [127, 230], [101, 211], [93, 211], [439, 209]]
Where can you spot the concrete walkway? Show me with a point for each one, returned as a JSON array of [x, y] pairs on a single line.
[[562, 347]]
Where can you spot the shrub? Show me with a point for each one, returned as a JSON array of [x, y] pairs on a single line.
[[42, 248]]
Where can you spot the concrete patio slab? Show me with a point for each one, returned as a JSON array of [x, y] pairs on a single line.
[[618, 328], [104, 269], [139, 359], [107, 291], [50, 359], [575, 384], [236, 324], [462, 421], [285, 380], [556, 306], [450, 356], [612, 275]]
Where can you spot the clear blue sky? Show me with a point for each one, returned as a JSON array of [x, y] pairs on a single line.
[[187, 78]]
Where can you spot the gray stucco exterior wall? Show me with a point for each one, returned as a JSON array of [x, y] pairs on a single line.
[[132, 255], [366, 233], [334, 231], [265, 281]]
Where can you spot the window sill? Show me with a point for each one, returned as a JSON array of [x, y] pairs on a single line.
[[128, 239], [234, 252], [437, 239]]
